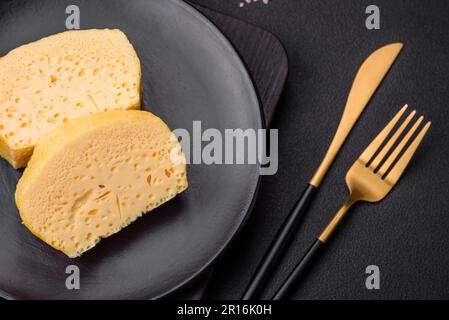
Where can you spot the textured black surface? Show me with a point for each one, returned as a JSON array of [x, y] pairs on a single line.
[[190, 72], [406, 235]]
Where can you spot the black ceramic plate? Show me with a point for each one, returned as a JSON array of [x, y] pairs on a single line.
[[190, 72]]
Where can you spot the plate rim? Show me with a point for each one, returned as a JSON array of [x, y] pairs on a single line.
[[261, 122]]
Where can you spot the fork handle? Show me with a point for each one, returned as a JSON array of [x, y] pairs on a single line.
[[279, 244], [301, 268], [305, 262]]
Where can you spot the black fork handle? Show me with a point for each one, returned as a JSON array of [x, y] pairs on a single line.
[[299, 271], [279, 244]]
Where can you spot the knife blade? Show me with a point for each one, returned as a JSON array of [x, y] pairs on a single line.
[[366, 82]]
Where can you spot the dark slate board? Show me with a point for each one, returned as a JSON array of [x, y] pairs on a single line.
[[262, 53], [266, 59]]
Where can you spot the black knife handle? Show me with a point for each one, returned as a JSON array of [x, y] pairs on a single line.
[[279, 243], [299, 271]]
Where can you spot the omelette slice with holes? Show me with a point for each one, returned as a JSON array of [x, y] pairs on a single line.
[[62, 77], [94, 175]]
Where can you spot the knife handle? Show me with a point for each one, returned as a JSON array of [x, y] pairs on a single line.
[[277, 247], [300, 269]]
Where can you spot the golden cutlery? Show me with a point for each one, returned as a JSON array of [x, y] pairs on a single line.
[[367, 80], [370, 179]]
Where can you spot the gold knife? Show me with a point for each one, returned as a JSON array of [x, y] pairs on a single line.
[[367, 80]]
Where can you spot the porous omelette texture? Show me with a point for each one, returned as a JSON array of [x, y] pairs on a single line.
[[94, 175], [46, 83]]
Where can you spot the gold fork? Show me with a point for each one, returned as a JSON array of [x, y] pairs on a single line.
[[370, 179]]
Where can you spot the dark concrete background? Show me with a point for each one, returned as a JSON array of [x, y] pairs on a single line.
[[406, 235]]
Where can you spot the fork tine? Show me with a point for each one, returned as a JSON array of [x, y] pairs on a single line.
[[395, 173], [381, 155], [377, 142], [393, 156]]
